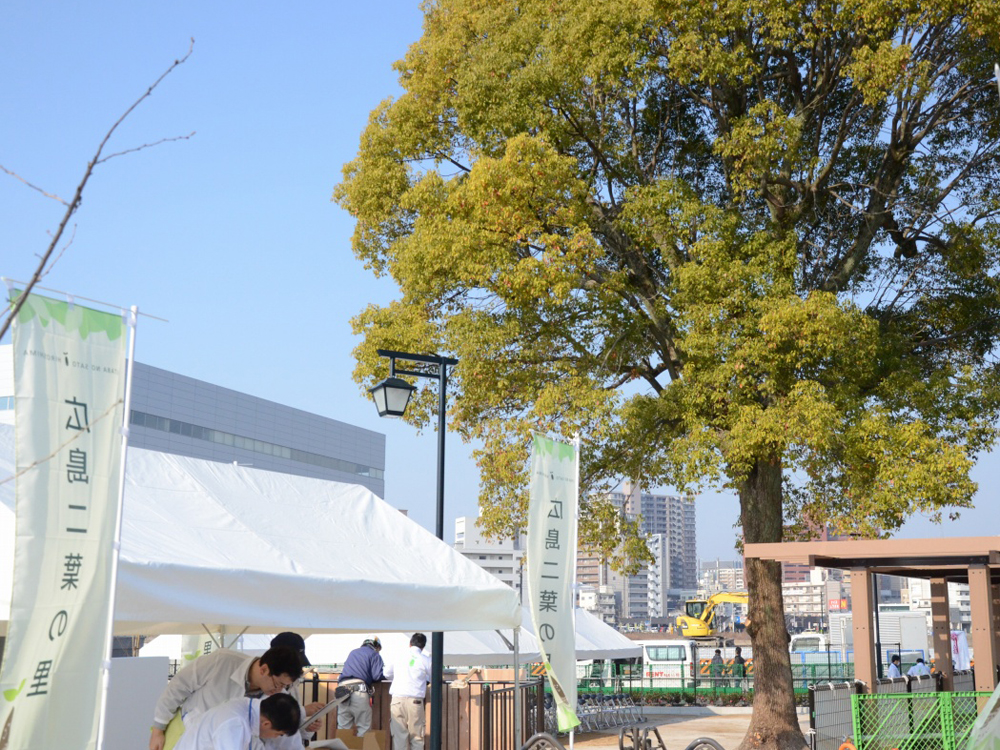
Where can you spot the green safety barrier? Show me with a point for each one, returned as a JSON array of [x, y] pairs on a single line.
[[618, 678], [915, 721]]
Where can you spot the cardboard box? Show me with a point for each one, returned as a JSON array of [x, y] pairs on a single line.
[[374, 739]]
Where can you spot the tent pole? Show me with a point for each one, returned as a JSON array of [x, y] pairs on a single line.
[[517, 690], [573, 588], [212, 635], [437, 638]]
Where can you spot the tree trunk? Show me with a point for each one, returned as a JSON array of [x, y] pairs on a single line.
[[774, 724]]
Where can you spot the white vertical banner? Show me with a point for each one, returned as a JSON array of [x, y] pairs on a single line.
[[69, 384], [552, 535]]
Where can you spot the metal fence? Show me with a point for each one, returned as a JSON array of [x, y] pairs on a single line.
[[474, 713], [892, 685], [915, 721], [964, 681], [806, 672], [830, 715], [927, 683], [496, 707]]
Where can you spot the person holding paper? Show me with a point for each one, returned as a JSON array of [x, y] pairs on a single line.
[[362, 669], [216, 678], [410, 676], [242, 724]]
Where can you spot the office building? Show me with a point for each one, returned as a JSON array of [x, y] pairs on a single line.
[[721, 575], [808, 603], [501, 557]]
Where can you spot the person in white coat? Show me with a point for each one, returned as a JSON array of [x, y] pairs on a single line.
[[242, 724], [894, 667], [410, 675], [216, 678], [920, 669]]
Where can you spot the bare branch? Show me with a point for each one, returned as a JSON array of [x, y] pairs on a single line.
[[62, 252], [74, 204], [16, 176], [147, 145]]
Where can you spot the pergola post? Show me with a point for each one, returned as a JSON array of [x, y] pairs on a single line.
[[941, 630], [864, 647], [984, 637]]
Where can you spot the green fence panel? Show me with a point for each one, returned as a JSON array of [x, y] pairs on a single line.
[[915, 721]]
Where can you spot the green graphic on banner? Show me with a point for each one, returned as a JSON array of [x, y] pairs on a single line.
[[73, 319]]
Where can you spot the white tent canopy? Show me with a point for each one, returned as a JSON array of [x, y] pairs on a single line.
[[236, 548], [468, 648], [595, 639], [461, 648]]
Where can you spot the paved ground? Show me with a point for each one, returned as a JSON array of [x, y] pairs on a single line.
[[678, 731]]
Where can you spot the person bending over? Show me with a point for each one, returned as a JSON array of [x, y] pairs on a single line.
[[214, 679], [362, 669], [242, 724]]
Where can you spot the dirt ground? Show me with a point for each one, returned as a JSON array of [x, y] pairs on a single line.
[[678, 732]]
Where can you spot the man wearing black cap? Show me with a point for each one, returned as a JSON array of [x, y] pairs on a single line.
[[295, 642], [362, 669]]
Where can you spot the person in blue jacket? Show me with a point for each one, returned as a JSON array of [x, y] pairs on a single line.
[[362, 669]]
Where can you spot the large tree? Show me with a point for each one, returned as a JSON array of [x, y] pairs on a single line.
[[750, 242]]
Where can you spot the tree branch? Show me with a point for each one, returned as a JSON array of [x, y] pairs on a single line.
[[74, 204]]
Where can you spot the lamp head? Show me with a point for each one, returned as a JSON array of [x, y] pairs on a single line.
[[391, 396]]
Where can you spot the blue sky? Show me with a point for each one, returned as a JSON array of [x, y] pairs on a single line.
[[231, 235]]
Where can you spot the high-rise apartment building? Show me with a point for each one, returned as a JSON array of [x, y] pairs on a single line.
[[668, 521]]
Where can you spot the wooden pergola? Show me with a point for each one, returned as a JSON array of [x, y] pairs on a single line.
[[972, 560]]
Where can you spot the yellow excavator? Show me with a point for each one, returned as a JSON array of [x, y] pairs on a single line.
[[699, 614]]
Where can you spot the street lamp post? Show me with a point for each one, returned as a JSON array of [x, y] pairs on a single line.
[[391, 397]]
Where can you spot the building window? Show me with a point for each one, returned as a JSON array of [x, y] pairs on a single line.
[[196, 432]]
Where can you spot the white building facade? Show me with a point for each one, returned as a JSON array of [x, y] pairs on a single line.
[[501, 557], [959, 601]]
